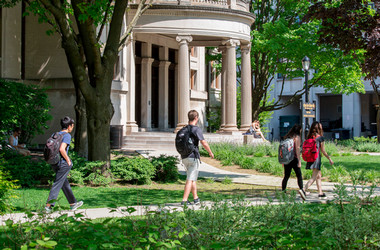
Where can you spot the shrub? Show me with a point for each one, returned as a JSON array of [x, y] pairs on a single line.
[[166, 169], [98, 177], [331, 148], [226, 180], [367, 147], [264, 167], [265, 150], [365, 139], [136, 169], [75, 176], [350, 143], [27, 171], [338, 173], [28, 108], [6, 189]]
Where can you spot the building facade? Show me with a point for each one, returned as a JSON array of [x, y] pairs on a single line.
[[161, 74], [342, 116]]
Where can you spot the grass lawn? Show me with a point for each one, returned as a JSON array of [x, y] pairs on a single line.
[[355, 162], [128, 195]]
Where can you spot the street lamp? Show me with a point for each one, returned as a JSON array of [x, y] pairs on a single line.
[[306, 67]]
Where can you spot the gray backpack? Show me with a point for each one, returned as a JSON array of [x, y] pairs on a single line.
[[286, 151]]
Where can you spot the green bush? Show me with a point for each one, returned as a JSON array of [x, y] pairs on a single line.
[[331, 148], [29, 172], [136, 169], [367, 147], [98, 177], [361, 144], [338, 173], [350, 143], [365, 139], [6, 188], [166, 169], [75, 176], [248, 163], [22, 105], [226, 180]]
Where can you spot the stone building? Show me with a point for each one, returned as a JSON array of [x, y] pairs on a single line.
[[342, 116], [161, 73]]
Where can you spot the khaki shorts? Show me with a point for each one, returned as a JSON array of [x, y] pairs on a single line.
[[192, 166]]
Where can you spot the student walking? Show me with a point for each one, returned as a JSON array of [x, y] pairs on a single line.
[[62, 169], [295, 135], [316, 133], [192, 161]]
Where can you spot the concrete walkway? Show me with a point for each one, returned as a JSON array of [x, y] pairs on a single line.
[[209, 171], [205, 171]]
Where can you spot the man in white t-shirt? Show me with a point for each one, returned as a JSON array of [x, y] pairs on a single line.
[[192, 162]]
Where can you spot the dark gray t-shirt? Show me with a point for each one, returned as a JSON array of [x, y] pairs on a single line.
[[196, 136]]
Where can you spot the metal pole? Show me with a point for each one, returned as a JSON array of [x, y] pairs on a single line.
[[307, 101]]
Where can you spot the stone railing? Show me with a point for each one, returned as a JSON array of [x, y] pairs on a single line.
[[242, 5]]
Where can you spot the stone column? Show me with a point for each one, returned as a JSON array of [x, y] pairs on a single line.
[[230, 87], [223, 49], [183, 79], [146, 93], [163, 81], [246, 87], [163, 104], [176, 93], [351, 113], [131, 125]]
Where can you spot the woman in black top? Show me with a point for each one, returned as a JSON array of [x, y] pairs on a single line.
[[316, 132], [295, 134]]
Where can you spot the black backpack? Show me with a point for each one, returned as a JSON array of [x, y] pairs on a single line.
[[183, 141], [51, 150]]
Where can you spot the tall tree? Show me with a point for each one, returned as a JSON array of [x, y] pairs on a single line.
[[80, 24], [352, 26], [280, 39]]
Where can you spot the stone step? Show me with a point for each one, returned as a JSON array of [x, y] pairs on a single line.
[[166, 139]]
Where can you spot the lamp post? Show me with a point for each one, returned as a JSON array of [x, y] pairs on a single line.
[[306, 67]]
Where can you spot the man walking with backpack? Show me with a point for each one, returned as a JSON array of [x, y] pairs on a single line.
[[191, 160], [62, 169]]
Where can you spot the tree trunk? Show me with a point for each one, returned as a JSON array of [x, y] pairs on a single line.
[[255, 108], [378, 122], [377, 93], [257, 95], [99, 114], [80, 137], [378, 118]]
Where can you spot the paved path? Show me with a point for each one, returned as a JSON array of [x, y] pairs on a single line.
[[205, 171]]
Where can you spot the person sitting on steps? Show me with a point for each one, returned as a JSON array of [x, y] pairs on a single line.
[[255, 131], [13, 142]]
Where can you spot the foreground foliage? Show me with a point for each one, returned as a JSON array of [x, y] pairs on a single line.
[[348, 222]]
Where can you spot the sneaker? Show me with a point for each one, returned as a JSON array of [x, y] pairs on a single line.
[[302, 194], [197, 201], [48, 210], [76, 205], [184, 203], [321, 196], [307, 193]]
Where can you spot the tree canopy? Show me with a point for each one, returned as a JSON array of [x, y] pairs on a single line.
[[91, 52], [352, 26], [280, 39]]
